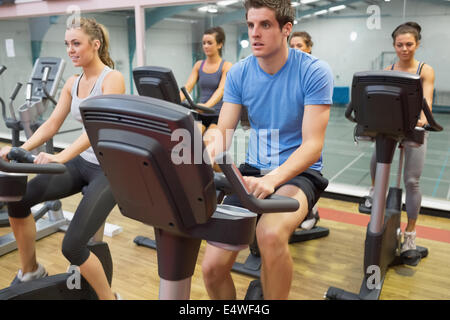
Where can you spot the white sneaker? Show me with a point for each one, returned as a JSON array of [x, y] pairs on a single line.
[[368, 201], [40, 272], [311, 219], [118, 296], [371, 192], [409, 242]]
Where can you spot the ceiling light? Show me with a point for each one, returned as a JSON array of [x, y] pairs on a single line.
[[226, 3], [308, 1], [245, 43], [209, 8], [317, 13], [337, 8], [212, 9]]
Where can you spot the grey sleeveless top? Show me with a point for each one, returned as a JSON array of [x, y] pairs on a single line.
[[208, 83], [88, 154]]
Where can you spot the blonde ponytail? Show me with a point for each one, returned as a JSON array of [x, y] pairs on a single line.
[[103, 52]]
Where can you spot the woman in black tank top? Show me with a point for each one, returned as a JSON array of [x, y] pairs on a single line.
[[406, 39], [87, 45]]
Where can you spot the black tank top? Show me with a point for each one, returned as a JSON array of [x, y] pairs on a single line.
[[419, 68], [209, 82]]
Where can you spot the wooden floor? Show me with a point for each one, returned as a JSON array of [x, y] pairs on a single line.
[[332, 261]]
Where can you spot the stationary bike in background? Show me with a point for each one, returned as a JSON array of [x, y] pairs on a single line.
[[386, 106], [41, 88]]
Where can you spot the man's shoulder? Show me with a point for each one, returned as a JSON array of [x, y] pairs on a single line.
[[243, 63], [311, 67], [309, 61]]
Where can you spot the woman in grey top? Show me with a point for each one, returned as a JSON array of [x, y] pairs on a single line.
[[406, 40], [210, 74], [87, 45]]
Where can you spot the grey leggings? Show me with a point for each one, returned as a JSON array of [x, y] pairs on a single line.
[[414, 161]]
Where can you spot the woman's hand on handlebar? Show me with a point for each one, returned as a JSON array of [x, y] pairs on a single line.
[[201, 105], [421, 123], [261, 187], [44, 158], [4, 152]]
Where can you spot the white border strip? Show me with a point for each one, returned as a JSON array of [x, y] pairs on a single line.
[[357, 191]]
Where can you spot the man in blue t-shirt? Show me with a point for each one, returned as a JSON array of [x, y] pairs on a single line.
[[287, 94]]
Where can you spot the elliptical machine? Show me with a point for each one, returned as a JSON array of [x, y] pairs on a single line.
[[40, 89], [386, 107], [42, 86], [65, 286]]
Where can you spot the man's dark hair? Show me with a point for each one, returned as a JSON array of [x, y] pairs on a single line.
[[284, 12]]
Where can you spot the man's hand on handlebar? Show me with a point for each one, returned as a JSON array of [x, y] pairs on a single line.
[[201, 105], [261, 187], [421, 123]]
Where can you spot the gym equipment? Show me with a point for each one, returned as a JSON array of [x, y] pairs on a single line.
[[386, 107], [43, 84], [13, 180], [2, 103], [12, 123], [179, 200], [159, 82]]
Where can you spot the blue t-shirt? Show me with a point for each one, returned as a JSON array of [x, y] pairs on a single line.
[[275, 104]]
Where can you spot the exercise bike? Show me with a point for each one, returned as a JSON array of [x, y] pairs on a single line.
[[386, 106], [159, 82], [179, 201], [66, 286], [42, 86]]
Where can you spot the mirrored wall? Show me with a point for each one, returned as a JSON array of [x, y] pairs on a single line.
[[351, 35]]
